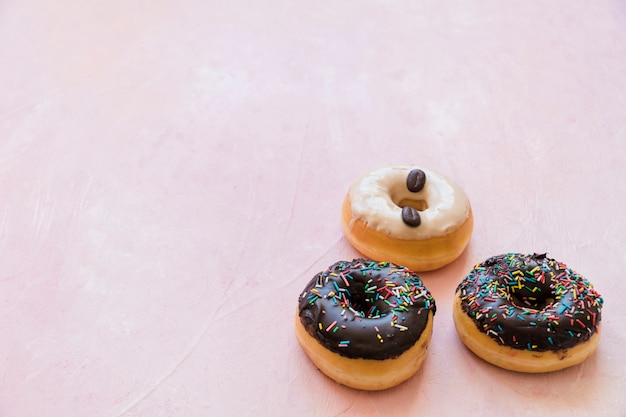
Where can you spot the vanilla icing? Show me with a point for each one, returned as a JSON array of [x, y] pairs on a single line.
[[376, 196]]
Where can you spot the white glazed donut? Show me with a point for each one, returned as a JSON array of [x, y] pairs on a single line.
[[408, 215]]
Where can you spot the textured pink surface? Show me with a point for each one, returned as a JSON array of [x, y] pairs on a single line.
[[171, 175]]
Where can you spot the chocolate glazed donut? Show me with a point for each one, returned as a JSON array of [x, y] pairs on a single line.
[[366, 309], [530, 302]]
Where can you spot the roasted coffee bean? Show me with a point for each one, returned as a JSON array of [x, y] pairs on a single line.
[[410, 216], [415, 180]]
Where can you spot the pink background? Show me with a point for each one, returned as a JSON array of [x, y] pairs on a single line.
[[171, 175]]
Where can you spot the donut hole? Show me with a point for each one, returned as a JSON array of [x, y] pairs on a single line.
[[419, 205], [366, 305], [528, 292], [533, 303]]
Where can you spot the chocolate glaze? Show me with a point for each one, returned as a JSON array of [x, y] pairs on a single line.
[[530, 302], [366, 309]]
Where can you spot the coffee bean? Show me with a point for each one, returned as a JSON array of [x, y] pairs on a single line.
[[415, 180], [410, 216]]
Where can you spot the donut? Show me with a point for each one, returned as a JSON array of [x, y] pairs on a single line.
[[527, 313], [408, 215], [365, 324]]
